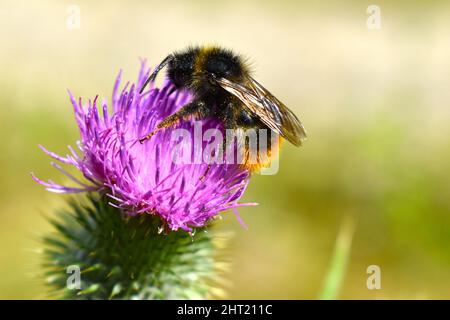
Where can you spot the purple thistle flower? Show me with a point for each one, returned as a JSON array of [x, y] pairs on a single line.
[[143, 178]]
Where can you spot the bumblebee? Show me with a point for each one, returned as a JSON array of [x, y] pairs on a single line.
[[223, 88]]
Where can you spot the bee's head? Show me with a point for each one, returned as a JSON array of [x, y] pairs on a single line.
[[181, 68]]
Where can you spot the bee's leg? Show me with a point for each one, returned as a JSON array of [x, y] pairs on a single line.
[[228, 119], [230, 122], [194, 108]]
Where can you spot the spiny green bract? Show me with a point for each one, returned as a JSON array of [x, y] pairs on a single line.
[[122, 257]]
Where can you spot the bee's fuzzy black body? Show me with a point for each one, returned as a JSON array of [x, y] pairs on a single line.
[[223, 88], [197, 68]]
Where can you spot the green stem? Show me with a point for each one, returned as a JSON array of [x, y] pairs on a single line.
[[126, 258], [341, 254]]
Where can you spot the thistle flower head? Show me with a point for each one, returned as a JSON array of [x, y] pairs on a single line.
[[143, 178]]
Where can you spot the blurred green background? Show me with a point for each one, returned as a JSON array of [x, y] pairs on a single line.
[[375, 103]]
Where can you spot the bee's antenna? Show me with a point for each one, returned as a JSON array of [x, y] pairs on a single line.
[[152, 77]]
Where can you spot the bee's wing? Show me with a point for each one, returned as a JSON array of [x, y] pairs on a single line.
[[268, 108]]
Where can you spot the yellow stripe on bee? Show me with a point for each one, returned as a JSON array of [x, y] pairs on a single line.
[[263, 160], [201, 57]]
